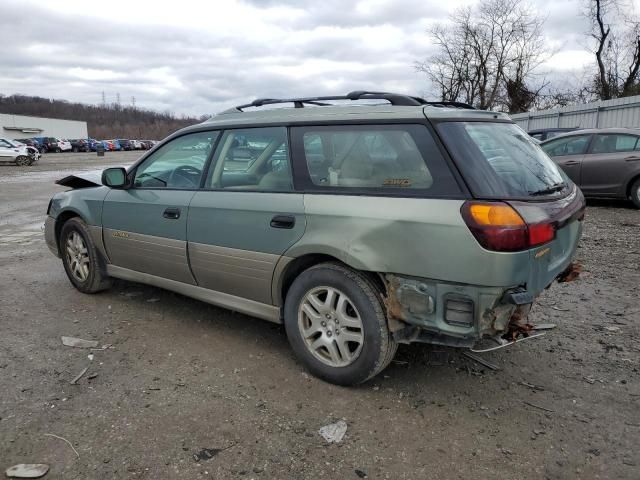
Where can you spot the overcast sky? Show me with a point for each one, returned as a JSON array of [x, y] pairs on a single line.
[[199, 57]]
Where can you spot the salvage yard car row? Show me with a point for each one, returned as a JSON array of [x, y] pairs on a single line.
[[58, 145]]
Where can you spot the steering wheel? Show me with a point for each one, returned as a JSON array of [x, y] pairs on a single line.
[[185, 176]]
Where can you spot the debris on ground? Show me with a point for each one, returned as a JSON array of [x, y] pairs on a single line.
[[132, 294], [572, 273], [78, 342], [481, 360], [544, 326], [209, 453], [79, 376], [153, 300], [538, 406], [334, 432], [64, 440], [103, 347], [361, 473], [532, 386], [27, 470]]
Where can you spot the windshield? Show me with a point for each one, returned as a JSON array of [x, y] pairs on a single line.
[[500, 160]]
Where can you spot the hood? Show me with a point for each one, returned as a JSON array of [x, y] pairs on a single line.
[[82, 180]]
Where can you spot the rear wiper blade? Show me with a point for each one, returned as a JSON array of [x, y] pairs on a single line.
[[547, 191]]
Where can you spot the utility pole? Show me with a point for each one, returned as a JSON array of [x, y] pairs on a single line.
[[118, 98], [104, 99], [133, 102]]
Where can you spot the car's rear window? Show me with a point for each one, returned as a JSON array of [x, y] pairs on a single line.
[[500, 160], [375, 158]]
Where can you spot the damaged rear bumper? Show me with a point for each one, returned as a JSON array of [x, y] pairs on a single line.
[[458, 315]]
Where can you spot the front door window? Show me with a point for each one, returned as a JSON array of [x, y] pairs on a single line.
[[177, 164]]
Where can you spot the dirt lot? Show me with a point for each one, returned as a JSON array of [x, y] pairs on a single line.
[[182, 376]]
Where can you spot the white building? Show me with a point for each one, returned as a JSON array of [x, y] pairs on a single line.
[[21, 126]]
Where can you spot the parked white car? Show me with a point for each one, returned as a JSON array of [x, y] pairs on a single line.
[[64, 145], [18, 153]]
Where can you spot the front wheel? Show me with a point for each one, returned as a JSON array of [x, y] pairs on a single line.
[[635, 193], [336, 324], [80, 258], [23, 160]]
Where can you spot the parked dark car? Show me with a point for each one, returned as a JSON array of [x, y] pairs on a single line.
[[602, 162], [30, 142], [543, 134], [80, 145], [125, 144], [47, 144]]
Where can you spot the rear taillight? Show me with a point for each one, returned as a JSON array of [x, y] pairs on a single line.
[[499, 227]]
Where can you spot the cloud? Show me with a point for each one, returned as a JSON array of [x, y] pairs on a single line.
[[202, 57]]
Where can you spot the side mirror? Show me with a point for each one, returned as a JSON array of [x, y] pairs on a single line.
[[114, 177]]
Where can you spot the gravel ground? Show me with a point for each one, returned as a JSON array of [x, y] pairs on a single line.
[[180, 376]]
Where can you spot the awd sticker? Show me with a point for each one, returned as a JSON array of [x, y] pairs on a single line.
[[397, 182], [119, 234]]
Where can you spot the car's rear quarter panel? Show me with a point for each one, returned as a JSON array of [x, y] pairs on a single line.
[[408, 236]]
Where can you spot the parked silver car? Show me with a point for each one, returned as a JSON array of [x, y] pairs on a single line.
[[12, 151], [358, 227], [603, 162]]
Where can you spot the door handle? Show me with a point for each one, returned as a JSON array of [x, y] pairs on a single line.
[[283, 221], [632, 159], [171, 213], [572, 162]]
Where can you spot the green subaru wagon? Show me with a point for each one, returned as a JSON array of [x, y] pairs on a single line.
[[359, 221]]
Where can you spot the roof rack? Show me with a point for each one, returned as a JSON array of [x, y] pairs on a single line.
[[393, 98]]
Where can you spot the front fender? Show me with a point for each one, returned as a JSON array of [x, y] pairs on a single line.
[[86, 203]]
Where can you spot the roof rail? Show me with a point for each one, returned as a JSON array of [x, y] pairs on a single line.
[[393, 98]]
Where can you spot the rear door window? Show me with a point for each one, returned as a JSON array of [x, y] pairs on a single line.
[[611, 143], [373, 158], [574, 145]]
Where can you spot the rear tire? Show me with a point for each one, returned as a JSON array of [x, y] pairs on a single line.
[[336, 324], [635, 193], [80, 258]]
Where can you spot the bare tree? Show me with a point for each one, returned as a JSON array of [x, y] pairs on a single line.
[[617, 51], [487, 56]]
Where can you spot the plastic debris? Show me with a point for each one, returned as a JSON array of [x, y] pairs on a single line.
[[79, 376], [481, 361], [27, 470], [209, 453], [64, 440], [334, 432], [78, 342]]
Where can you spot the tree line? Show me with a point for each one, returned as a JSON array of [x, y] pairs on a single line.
[[492, 56], [103, 121]]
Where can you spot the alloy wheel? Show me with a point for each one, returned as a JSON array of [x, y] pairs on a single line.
[[77, 256], [330, 326]]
